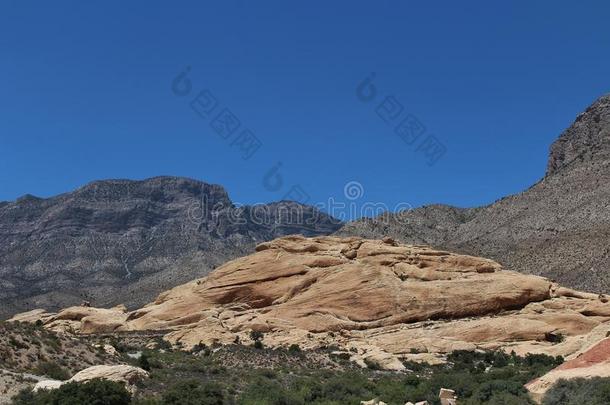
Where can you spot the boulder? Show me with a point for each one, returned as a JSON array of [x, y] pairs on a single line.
[[120, 373], [128, 375], [447, 396], [47, 385], [374, 401]]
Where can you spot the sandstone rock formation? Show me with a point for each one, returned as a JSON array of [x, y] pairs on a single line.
[[122, 241], [128, 375], [591, 362], [378, 301], [559, 228], [447, 397]]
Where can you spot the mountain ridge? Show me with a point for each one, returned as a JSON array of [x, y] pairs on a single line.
[[123, 241], [557, 228], [161, 231]]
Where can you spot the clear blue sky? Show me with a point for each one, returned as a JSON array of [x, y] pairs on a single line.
[[86, 93]]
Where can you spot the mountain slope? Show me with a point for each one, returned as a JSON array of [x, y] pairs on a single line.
[[122, 241], [558, 228]]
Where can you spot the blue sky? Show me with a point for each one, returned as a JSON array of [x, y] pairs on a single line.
[[87, 93]]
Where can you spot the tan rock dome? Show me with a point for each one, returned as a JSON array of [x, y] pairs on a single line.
[[380, 300]]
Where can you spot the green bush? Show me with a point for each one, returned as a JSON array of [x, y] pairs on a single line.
[[94, 392], [492, 378], [52, 370], [194, 393], [496, 391], [294, 349], [144, 362], [592, 391]]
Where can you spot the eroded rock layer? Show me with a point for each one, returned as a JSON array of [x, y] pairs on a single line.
[[376, 299], [591, 362]]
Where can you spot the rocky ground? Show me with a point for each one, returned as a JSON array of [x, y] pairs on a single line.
[[255, 374], [29, 353]]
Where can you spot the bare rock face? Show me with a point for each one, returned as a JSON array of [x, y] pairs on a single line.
[[123, 241], [559, 228], [586, 140], [121, 373], [593, 361], [379, 301]]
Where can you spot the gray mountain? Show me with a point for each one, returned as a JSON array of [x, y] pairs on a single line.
[[123, 241], [558, 228]]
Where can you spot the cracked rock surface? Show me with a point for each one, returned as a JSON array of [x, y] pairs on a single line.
[[377, 300]]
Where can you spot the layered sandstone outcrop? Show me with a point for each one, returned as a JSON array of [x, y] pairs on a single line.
[[594, 361], [377, 300]]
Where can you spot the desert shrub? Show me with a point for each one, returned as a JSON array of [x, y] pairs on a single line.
[[372, 364], [496, 391], [146, 401], [294, 349], [268, 392], [118, 345], [94, 392], [52, 370], [492, 378], [194, 393], [163, 344], [17, 344], [593, 391], [144, 361], [201, 348], [319, 388]]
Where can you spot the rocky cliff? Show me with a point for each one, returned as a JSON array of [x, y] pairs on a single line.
[[122, 241]]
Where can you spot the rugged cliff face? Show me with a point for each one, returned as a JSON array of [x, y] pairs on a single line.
[[586, 141], [122, 241], [559, 228], [377, 301]]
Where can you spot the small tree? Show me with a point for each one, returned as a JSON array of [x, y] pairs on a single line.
[[258, 339], [52, 370]]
